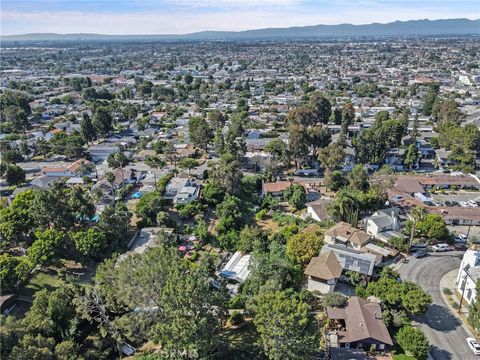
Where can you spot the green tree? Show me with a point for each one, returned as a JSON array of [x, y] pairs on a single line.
[[348, 114], [358, 178], [334, 300], [413, 342], [296, 196], [321, 108], [148, 207], [155, 162], [17, 221], [45, 250], [212, 193], [199, 131], [102, 121], [14, 174], [474, 309], [115, 221], [335, 180], [331, 156], [188, 164], [433, 227], [227, 173], [298, 143], [87, 129], [411, 156], [303, 247], [8, 274], [90, 242], [285, 328]]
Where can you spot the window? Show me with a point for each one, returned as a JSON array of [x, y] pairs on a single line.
[[381, 347]]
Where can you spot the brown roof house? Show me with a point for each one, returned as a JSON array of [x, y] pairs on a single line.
[[358, 325], [345, 234], [323, 272]]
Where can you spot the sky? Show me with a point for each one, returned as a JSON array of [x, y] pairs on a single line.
[[137, 17]]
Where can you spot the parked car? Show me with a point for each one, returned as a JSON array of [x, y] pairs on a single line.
[[472, 203], [460, 246], [419, 246], [464, 204], [440, 247], [306, 172], [420, 253], [455, 203], [474, 345], [448, 203], [461, 238]]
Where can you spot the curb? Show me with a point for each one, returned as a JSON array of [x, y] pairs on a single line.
[[452, 310]]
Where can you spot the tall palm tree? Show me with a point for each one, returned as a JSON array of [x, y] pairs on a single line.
[[349, 209], [417, 214]]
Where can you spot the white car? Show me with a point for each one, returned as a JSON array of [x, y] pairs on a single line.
[[474, 345], [472, 203], [440, 247], [464, 204]]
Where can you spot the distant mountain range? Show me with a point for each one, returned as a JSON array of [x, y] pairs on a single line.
[[398, 28]]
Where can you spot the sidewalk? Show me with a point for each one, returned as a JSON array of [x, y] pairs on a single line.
[[448, 281]]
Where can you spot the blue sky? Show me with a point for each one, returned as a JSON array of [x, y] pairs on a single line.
[[184, 16]]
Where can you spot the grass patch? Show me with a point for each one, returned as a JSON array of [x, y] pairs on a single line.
[[403, 357], [47, 279], [241, 341]]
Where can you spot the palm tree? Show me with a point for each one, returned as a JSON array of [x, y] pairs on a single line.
[[349, 209], [417, 214]]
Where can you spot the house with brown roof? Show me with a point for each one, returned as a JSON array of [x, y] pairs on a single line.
[[345, 234], [358, 325], [323, 272]]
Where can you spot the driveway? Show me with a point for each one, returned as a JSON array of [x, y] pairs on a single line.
[[444, 331]]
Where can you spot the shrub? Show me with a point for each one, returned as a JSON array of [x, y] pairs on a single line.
[[261, 214], [413, 342], [334, 300], [237, 302], [236, 318], [447, 291]]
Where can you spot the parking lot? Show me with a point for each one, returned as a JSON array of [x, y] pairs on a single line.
[[472, 231], [457, 196]]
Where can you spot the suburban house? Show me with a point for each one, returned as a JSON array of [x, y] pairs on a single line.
[[317, 210], [278, 187], [257, 160], [345, 234], [468, 274], [383, 224], [101, 152], [358, 325], [352, 260], [72, 170], [186, 194], [176, 184], [324, 270]]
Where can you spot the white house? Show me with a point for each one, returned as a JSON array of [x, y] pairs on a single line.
[[317, 210], [176, 184], [381, 221], [186, 194], [468, 274], [101, 152], [68, 170]]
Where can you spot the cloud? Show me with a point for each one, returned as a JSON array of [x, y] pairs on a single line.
[[178, 20]]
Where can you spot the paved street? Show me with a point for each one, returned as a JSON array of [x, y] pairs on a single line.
[[444, 330]]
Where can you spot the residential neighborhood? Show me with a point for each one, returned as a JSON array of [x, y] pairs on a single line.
[[310, 198]]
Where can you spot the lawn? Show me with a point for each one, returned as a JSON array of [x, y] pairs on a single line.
[[47, 279], [403, 357], [242, 341]]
